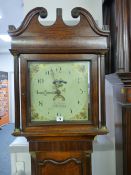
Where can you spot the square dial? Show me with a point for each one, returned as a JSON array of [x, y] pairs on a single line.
[[59, 91]]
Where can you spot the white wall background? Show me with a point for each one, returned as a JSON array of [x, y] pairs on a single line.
[[6, 62], [93, 6]]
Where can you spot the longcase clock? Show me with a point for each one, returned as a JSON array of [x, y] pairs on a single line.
[[59, 90]]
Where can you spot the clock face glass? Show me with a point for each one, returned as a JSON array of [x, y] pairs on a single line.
[[59, 91]]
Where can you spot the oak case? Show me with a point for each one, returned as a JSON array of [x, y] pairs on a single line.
[[59, 147]]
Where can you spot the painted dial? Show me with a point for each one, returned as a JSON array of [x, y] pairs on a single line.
[[59, 91]]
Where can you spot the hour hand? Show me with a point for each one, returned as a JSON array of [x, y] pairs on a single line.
[[59, 82]]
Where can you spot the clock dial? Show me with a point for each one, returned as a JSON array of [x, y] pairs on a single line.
[[59, 91]]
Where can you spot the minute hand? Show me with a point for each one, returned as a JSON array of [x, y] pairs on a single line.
[[47, 92]]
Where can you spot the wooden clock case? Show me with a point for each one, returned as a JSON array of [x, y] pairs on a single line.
[[59, 148]]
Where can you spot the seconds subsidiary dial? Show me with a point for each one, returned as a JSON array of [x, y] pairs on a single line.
[[59, 91]]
